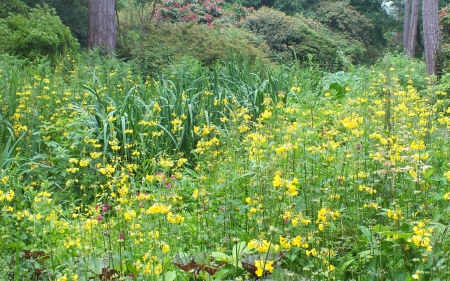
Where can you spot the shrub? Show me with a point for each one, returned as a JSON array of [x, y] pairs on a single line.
[[36, 34], [351, 25], [205, 11], [292, 37], [157, 46], [12, 6]]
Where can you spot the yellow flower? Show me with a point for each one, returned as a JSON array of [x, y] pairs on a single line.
[[262, 266], [349, 123], [447, 196], [277, 180], [165, 248], [285, 243], [447, 175], [260, 246], [158, 208], [63, 278], [313, 252], [297, 241]]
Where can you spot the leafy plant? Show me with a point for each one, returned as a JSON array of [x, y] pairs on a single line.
[[36, 34], [290, 38]]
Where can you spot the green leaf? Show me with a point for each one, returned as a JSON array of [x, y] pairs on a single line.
[[346, 264], [170, 275], [221, 256], [380, 228]]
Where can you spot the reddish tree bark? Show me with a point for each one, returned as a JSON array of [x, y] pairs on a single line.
[[430, 15], [102, 25]]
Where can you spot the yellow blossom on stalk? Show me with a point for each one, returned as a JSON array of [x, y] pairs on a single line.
[[166, 163], [277, 181], [295, 89], [9, 196], [421, 237], [394, 214], [285, 243], [174, 218], [349, 123], [312, 252], [95, 155], [158, 208], [84, 162], [89, 224], [297, 242], [129, 215], [262, 266], [446, 196], [195, 193], [262, 246], [325, 213], [181, 162], [4, 179], [417, 145], [63, 278], [165, 248], [447, 175]]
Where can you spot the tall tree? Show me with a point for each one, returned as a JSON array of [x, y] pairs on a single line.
[[430, 16], [102, 25], [406, 20], [413, 23]]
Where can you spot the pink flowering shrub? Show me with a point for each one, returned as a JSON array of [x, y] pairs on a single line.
[[204, 11]]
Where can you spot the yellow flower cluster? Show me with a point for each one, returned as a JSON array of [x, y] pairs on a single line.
[[289, 184], [158, 208], [263, 266], [421, 237], [262, 246]]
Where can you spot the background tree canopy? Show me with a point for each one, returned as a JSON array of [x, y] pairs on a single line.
[[359, 30]]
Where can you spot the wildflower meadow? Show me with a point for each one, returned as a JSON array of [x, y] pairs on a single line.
[[230, 172]]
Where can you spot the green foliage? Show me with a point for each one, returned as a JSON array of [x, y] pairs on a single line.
[[290, 7], [157, 46], [352, 26], [36, 34], [383, 19], [443, 61], [12, 6], [73, 13], [291, 38]]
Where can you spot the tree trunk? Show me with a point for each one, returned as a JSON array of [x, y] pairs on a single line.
[[411, 48], [430, 15], [406, 23], [102, 25]]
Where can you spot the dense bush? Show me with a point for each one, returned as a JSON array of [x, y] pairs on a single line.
[[354, 27], [205, 11], [35, 34], [288, 6], [292, 38], [157, 46], [12, 6]]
